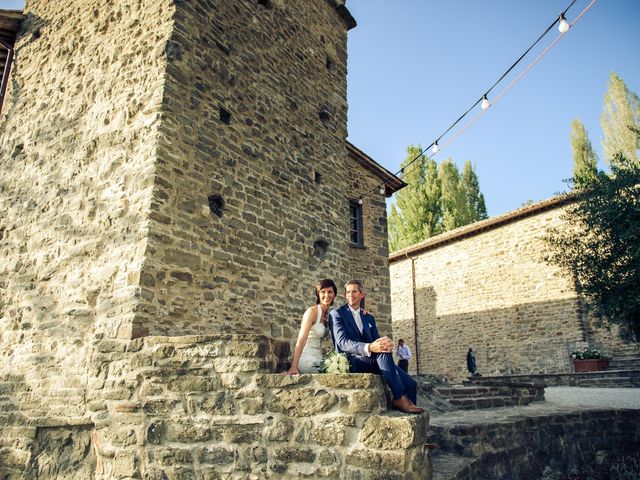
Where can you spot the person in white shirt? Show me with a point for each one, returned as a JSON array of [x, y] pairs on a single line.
[[404, 354]]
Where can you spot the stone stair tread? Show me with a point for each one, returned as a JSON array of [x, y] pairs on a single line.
[[447, 465], [484, 402]]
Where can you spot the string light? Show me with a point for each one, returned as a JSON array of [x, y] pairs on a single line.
[[382, 190], [563, 27], [360, 201]]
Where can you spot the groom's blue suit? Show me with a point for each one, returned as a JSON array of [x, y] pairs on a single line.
[[348, 339]]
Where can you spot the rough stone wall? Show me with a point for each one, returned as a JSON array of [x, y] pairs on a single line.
[[280, 74], [206, 407], [369, 263], [490, 291], [77, 151]]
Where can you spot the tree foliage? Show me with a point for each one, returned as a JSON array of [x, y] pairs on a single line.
[[436, 199], [585, 161], [620, 117], [599, 246]]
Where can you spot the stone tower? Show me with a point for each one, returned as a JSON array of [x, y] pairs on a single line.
[[169, 166], [172, 185]]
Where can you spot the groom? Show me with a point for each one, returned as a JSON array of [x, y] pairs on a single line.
[[354, 332]]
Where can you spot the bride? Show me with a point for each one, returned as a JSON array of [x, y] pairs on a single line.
[[312, 330]]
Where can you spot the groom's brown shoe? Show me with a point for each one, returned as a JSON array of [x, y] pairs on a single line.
[[405, 405]]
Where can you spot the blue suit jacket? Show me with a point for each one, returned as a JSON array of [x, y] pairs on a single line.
[[345, 333]]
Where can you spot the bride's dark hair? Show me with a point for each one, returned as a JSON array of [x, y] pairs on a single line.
[[326, 283]]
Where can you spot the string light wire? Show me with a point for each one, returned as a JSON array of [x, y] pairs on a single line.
[[439, 148]]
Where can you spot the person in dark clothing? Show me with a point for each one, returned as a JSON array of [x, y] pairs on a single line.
[[471, 363]]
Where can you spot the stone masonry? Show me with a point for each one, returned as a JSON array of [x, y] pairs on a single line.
[[486, 286], [171, 188]]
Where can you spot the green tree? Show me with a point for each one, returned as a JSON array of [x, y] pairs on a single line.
[[620, 117], [436, 199], [585, 161], [477, 210], [417, 213], [598, 246], [453, 200]]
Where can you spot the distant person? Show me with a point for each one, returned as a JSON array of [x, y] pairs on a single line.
[[404, 354], [471, 363]]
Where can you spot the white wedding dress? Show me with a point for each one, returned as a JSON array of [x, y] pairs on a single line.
[[312, 352]]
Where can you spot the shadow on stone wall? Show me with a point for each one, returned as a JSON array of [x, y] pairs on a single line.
[[534, 337], [62, 452]]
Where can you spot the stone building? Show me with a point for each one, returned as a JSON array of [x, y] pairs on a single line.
[[486, 286], [174, 179]]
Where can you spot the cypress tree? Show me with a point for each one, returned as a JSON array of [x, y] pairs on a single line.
[[620, 120], [585, 161]]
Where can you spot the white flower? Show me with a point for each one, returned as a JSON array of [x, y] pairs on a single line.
[[334, 362]]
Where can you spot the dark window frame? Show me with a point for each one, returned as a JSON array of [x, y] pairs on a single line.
[[356, 230]]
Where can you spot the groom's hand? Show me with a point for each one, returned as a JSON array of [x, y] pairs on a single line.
[[381, 345]]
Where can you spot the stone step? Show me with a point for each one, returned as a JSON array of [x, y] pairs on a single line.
[[484, 402], [448, 466], [462, 391], [624, 363]]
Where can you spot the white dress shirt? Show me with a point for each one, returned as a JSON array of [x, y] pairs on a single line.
[[356, 317]]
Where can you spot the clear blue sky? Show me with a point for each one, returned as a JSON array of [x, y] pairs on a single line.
[[415, 66]]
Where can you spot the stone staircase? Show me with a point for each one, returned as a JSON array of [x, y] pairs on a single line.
[[625, 357], [488, 394], [604, 379]]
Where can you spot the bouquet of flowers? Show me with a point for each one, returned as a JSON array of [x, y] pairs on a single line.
[[334, 362]]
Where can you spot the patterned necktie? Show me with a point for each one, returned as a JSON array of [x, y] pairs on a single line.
[[358, 320]]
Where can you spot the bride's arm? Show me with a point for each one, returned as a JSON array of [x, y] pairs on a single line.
[[305, 327]]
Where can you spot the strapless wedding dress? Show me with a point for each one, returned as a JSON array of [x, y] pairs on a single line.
[[312, 352]]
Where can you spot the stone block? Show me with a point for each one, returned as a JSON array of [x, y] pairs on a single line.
[[381, 461], [290, 454], [125, 465], [216, 455], [366, 401], [188, 431], [394, 431], [217, 403], [251, 406], [172, 456], [302, 402], [277, 380], [190, 383], [281, 430], [351, 380], [328, 432], [248, 348], [162, 406], [237, 364], [237, 433]]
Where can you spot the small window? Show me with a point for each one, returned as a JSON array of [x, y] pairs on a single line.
[[355, 223]]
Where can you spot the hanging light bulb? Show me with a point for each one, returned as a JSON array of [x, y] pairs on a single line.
[[563, 26], [382, 190], [360, 201], [435, 148], [485, 103]]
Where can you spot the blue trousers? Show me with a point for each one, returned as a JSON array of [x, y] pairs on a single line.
[[399, 381]]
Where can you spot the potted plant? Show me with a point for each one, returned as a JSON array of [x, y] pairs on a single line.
[[588, 360]]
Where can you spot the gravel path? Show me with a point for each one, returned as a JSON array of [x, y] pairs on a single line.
[[593, 397]]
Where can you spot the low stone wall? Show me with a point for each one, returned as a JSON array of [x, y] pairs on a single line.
[[208, 407], [523, 448]]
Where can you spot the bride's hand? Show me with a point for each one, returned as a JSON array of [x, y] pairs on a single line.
[[290, 372]]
